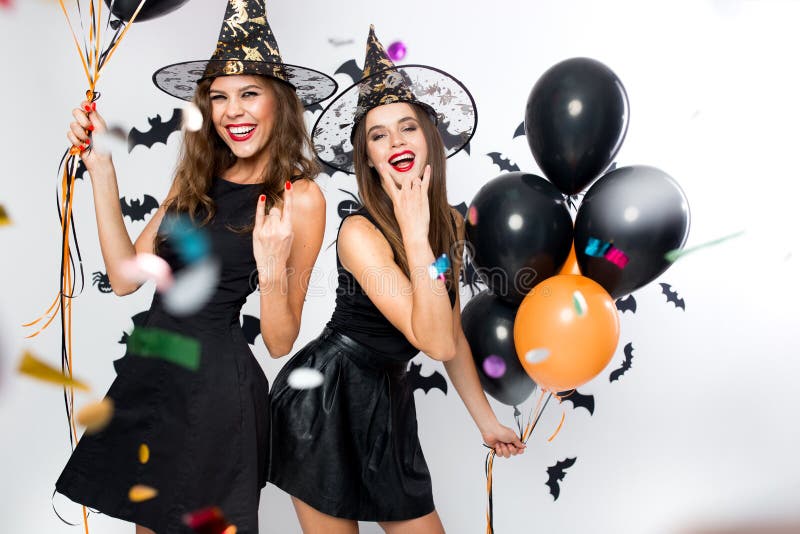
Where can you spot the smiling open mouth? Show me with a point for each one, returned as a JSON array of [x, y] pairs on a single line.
[[402, 161], [241, 132]]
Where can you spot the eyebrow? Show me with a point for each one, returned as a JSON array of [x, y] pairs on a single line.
[[245, 88], [404, 119]]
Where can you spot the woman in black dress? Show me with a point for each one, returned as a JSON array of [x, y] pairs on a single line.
[[245, 181], [348, 450]]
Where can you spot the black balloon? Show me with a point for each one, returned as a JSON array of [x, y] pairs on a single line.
[[488, 324], [520, 233], [575, 122], [639, 211], [124, 9]]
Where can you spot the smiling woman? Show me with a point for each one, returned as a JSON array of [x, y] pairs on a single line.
[[233, 187]]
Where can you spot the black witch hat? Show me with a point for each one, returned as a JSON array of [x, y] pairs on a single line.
[[444, 97], [246, 45]]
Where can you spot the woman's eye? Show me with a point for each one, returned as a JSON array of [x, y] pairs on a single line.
[[409, 129], [378, 137], [217, 97]]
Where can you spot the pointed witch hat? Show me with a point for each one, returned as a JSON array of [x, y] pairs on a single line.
[[444, 97], [246, 45]]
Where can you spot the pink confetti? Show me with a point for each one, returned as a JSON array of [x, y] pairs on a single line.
[[494, 366], [148, 267], [396, 51]]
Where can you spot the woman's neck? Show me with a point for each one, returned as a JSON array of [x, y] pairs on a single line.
[[247, 171]]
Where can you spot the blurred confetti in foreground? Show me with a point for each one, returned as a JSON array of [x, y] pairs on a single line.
[[397, 51], [144, 453], [304, 378], [193, 287], [144, 267], [140, 493], [5, 220], [165, 345], [191, 117], [208, 521], [673, 255], [494, 366], [33, 367], [96, 416]]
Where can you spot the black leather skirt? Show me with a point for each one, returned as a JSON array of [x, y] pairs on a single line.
[[349, 448]]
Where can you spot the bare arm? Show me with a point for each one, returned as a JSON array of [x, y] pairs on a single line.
[[462, 372], [115, 243], [290, 242]]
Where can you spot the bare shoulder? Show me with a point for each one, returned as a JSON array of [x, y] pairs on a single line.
[[358, 236], [308, 197]]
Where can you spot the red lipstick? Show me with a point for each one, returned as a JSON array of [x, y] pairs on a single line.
[[244, 131], [402, 161]]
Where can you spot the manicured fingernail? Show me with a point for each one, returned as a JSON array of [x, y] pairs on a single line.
[[91, 128], [262, 198], [87, 107], [288, 185], [94, 106]]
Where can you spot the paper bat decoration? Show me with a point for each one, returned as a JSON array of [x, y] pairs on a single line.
[[616, 373], [251, 327], [556, 474], [503, 162], [136, 209], [347, 206], [426, 383], [520, 131], [80, 170], [626, 304], [351, 69], [313, 108], [672, 296], [450, 139], [138, 320], [578, 400], [469, 275], [159, 131]]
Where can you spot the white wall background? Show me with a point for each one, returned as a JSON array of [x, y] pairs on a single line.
[[701, 431]]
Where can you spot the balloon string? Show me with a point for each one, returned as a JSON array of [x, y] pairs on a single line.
[[560, 424], [77, 45], [122, 35], [536, 414]]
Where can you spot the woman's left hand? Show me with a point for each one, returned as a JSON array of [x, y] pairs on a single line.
[[272, 238], [503, 440]]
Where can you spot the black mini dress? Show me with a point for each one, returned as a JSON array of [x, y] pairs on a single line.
[[350, 447], [207, 430]]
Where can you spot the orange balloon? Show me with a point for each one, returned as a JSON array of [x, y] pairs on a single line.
[[566, 331], [571, 265]]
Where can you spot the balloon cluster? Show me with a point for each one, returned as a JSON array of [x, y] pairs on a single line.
[[548, 316]]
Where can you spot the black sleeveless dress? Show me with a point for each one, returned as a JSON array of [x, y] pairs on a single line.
[[350, 448], [207, 431]]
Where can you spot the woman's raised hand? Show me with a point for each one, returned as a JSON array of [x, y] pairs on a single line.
[[272, 237], [410, 201]]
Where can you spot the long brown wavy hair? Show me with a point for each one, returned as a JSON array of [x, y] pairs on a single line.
[[442, 232], [205, 155]]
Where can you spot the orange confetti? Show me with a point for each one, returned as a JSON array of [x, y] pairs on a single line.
[[96, 416], [140, 493], [5, 220], [144, 453], [33, 367], [230, 530]]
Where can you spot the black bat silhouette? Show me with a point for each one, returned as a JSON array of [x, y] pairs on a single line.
[[80, 170], [136, 209], [352, 69], [469, 276], [159, 131], [313, 108], [556, 473], [520, 130], [425, 383], [251, 327], [347, 206], [450, 139], [626, 304], [626, 364], [503, 162], [578, 400], [672, 296], [138, 320]]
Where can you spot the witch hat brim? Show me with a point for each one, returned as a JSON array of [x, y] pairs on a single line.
[[443, 96]]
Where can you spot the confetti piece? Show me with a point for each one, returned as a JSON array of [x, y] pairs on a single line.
[[439, 267], [112, 141], [208, 521], [579, 301], [537, 355], [673, 255], [191, 117], [304, 378], [140, 493], [396, 51], [145, 267], [5, 220], [193, 287], [472, 215], [96, 416], [144, 453], [191, 243], [174, 348], [494, 366], [35, 368]]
